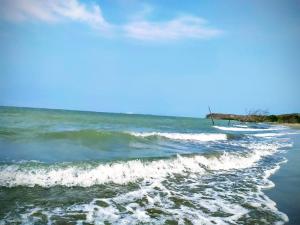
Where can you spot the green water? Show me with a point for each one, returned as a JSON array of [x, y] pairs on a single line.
[[56, 135]]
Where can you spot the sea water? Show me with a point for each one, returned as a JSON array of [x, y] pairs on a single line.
[[73, 167]]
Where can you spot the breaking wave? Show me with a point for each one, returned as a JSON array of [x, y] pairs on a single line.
[[270, 135], [92, 135], [246, 128], [87, 174], [183, 136]]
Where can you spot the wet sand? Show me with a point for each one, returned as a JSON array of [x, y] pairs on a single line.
[[286, 193]]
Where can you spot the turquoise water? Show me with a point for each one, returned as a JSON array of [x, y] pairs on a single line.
[[72, 167]]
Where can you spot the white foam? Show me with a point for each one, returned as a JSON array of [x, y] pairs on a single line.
[[239, 125], [124, 172], [211, 199], [273, 134], [215, 196], [183, 136], [246, 128]]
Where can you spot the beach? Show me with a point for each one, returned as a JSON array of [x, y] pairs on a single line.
[[287, 181]]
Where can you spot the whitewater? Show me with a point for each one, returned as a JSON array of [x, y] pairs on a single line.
[[75, 167]]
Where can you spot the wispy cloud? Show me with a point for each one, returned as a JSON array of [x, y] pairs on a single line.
[[55, 11], [178, 28]]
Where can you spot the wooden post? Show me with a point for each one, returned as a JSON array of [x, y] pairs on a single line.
[[211, 117]]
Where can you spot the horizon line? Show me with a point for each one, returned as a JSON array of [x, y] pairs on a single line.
[[80, 110]]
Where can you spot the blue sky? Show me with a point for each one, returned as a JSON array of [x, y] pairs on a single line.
[[152, 57]]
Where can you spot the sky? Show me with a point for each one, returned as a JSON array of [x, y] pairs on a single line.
[[167, 57]]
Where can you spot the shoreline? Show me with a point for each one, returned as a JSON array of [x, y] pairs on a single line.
[[258, 117], [291, 125], [287, 183]]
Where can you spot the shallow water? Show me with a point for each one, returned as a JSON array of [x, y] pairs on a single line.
[[76, 167]]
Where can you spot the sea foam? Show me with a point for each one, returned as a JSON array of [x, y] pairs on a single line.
[[183, 136], [270, 135], [130, 171], [247, 128]]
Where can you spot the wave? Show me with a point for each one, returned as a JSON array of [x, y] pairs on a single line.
[[239, 125], [269, 135], [183, 136], [85, 134], [124, 172], [197, 205], [245, 128], [91, 136]]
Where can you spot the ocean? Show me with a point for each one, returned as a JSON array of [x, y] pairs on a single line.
[[75, 167]]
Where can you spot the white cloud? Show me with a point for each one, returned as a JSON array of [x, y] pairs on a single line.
[[53, 11], [178, 28]]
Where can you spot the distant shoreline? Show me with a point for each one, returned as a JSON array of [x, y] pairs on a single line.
[[292, 119]]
